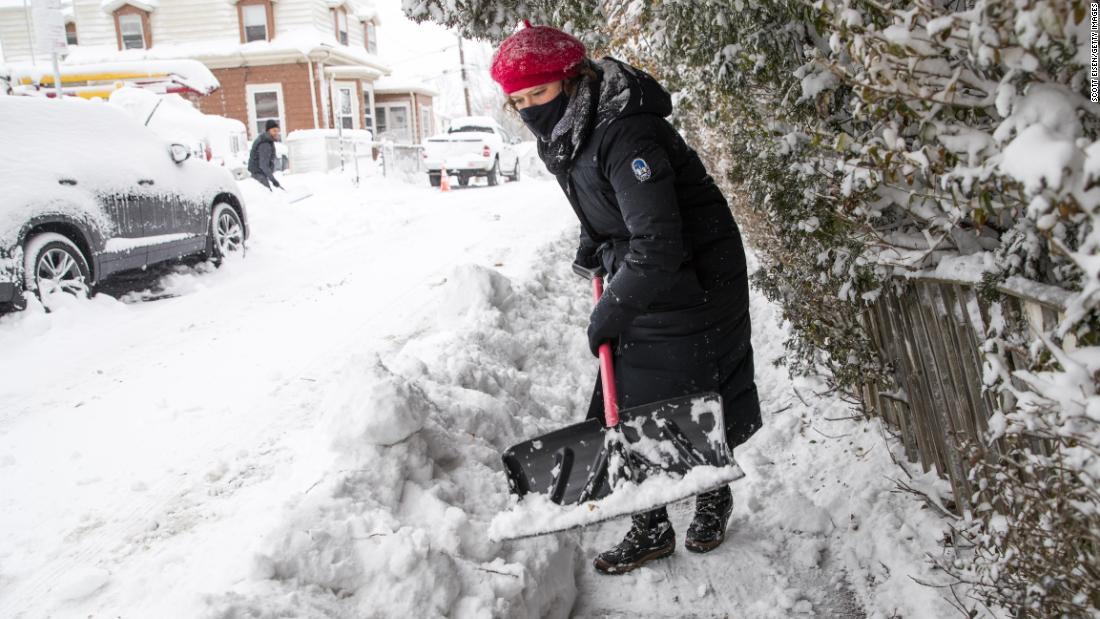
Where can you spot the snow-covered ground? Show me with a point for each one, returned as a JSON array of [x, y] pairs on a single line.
[[314, 431]]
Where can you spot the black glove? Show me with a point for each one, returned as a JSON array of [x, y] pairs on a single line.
[[607, 322], [587, 257]]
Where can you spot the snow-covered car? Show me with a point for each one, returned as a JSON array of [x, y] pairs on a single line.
[[473, 146], [217, 139], [86, 192]]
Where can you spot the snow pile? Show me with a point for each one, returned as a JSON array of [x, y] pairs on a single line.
[[392, 411], [398, 524]]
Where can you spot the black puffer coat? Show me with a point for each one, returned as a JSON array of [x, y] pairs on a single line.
[[261, 159], [677, 298]]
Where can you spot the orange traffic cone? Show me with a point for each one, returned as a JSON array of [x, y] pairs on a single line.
[[444, 184]]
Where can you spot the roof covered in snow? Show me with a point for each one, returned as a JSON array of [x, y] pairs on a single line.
[[220, 54], [395, 84], [110, 6]]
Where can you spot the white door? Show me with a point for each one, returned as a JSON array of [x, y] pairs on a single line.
[[393, 121], [346, 111], [265, 102]]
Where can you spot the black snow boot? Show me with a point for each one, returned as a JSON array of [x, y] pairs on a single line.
[[712, 512], [651, 537]]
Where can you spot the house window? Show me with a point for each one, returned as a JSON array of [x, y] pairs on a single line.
[[132, 30], [371, 38], [393, 122], [342, 25], [254, 19], [265, 102], [70, 33], [345, 106]]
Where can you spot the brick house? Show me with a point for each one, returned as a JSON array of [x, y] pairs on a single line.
[[310, 64], [404, 110]]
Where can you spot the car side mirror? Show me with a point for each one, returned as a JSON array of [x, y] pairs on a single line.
[[179, 152]]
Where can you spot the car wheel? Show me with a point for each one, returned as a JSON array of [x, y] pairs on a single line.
[[434, 180], [494, 174], [463, 179], [515, 172], [52, 264], [226, 231]]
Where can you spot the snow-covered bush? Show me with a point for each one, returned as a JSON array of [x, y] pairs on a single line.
[[863, 142]]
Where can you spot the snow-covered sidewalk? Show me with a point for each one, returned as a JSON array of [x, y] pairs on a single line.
[[315, 431], [817, 528]]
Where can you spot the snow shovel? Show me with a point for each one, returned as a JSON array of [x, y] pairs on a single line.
[[639, 459], [296, 197]]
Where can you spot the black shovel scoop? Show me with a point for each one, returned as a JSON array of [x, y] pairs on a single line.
[[653, 454]]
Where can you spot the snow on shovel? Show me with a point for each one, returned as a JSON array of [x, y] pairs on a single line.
[[641, 458]]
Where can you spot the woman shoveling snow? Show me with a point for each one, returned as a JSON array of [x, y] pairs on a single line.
[[676, 304]]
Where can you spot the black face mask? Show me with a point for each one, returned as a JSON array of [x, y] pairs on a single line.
[[541, 119]]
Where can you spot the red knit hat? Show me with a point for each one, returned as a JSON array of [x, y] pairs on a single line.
[[536, 55]]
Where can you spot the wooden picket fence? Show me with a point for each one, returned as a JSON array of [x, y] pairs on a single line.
[[928, 331]]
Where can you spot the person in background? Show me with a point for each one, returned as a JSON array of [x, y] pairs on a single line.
[[261, 160], [677, 302]]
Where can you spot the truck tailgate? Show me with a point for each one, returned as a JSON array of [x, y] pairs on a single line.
[[447, 148]]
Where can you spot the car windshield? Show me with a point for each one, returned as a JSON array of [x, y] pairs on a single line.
[[470, 128]]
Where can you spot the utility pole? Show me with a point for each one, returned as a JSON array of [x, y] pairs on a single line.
[[465, 85]]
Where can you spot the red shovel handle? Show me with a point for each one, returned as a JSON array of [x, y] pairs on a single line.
[[607, 371]]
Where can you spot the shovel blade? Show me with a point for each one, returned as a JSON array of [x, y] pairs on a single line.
[[585, 461], [535, 515], [298, 197]]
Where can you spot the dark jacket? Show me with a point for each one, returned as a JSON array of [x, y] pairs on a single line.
[[678, 293], [261, 159]]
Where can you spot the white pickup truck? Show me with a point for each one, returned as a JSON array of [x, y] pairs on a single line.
[[473, 146]]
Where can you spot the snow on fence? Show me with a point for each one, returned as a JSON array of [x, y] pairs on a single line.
[[929, 333], [323, 150], [403, 161]]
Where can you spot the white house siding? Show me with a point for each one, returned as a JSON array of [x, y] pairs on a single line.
[[355, 32], [13, 35], [181, 21], [186, 21], [295, 14], [93, 26], [322, 19]]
